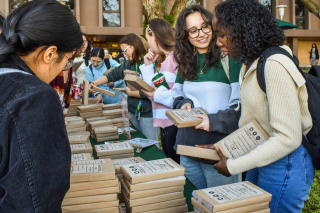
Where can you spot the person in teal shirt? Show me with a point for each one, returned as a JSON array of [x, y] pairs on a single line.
[[98, 68]]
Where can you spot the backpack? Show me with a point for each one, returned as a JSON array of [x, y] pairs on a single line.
[[312, 143], [106, 61]]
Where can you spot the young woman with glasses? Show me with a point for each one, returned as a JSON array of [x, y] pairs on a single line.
[[96, 70], [208, 80], [139, 105]]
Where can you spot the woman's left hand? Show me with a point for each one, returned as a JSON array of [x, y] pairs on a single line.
[[149, 94], [205, 124], [221, 167]]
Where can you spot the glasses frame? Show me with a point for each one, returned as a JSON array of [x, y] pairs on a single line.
[[95, 62], [199, 31], [69, 64], [125, 50]]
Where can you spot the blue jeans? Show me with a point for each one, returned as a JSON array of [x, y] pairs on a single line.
[[203, 175], [288, 180]]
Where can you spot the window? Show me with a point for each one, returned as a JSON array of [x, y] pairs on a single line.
[[268, 4], [14, 4], [69, 4], [194, 2], [300, 15], [111, 13]]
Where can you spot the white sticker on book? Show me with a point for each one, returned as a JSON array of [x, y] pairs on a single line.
[[79, 146], [78, 157], [75, 137], [120, 162], [89, 162], [105, 128], [185, 115], [150, 167], [232, 192], [88, 168]]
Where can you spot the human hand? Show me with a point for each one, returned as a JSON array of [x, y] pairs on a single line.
[[186, 106], [221, 167], [150, 57], [111, 84], [207, 146], [149, 94], [98, 99], [72, 164], [205, 124], [90, 88]]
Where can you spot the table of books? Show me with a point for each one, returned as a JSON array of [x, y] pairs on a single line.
[[153, 153]]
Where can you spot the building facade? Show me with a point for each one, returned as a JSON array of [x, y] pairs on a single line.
[[106, 21]]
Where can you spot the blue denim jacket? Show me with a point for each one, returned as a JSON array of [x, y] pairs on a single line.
[[35, 153]]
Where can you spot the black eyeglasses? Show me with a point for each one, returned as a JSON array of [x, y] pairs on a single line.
[[194, 32], [69, 63]]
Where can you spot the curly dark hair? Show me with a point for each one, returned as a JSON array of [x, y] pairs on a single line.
[[250, 26], [183, 49]]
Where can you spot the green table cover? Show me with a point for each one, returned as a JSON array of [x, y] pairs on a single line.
[[153, 153]]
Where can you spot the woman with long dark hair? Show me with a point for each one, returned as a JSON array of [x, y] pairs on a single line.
[[281, 165], [161, 39], [35, 150], [314, 55], [207, 80], [139, 105]]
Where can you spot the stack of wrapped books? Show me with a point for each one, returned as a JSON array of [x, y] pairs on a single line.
[[88, 111], [114, 150]]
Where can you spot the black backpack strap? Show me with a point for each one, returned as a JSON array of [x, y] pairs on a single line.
[[107, 62], [90, 67], [262, 63]]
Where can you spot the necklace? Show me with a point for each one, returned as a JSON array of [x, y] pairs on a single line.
[[201, 70]]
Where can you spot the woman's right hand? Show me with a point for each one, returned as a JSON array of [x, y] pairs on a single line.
[[98, 99], [90, 88], [150, 57], [186, 106]]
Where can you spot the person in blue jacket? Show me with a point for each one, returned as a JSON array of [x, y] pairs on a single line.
[[96, 71]]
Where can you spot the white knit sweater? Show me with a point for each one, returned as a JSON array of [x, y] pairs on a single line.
[[282, 112]]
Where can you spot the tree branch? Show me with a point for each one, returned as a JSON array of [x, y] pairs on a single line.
[[154, 9], [177, 8], [313, 7]]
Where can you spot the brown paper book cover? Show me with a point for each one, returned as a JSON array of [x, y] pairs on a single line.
[[89, 199], [103, 135], [103, 91], [81, 157], [79, 133], [81, 148], [112, 112], [243, 209], [113, 149], [119, 89], [89, 162], [109, 138], [119, 176], [78, 129], [183, 118], [82, 207], [105, 129], [231, 196], [125, 161], [138, 83], [157, 206], [149, 193], [111, 106], [85, 93], [91, 192], [151, 170], [73, 118], [93, 185], [177, 209], [93, 172], [130, 72], [90, 107], [76, 139], [92, 115], [75, 124], [96, 118], [163, 183], [99, 123], [197, 152], [104, 210], [128, 155]]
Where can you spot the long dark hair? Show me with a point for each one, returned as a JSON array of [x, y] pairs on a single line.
[[183, 50], [250, 26], [139, 50], [87, 53], [98, 52], [39, 24], [1, 21], [315, 47]]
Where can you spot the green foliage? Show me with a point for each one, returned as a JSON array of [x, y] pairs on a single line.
[[144, 25], [312, 205], [170, 19]]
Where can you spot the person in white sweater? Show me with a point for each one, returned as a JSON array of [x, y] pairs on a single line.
[[281, 165]]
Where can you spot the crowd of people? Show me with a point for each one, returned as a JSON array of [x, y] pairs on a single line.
[[209, 60]]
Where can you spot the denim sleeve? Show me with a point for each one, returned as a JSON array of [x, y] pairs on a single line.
[[180, 101]]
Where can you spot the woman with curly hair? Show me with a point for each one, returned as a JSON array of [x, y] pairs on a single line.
[[204, 80], [281, 165]]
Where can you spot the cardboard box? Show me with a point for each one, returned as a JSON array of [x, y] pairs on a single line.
[[183, 118], [78, 129], [119, 176], [154, 199], [103, 91], [93, 172], [89, 162], [177, 209], [82, 207], [75, 124], [76, 139], [128, 155], [112, 112], [157, 206], [125, 161], [81, 148], [85, 93], [151, 170], [138, 83], [105, 129], [231, 196], [108, 71], [119, 89], [91, 192], [107, 138], [113, 149], [90, 107], [197, 152], [168, 182], [79, 133], [149, 193], [111, 106], [89, 199], [99, 123], [130, 72], [91, 115], [244, 209], [103, 135], [81, 157], [96, 118], [93, 185], [104, 210], [73, 118]]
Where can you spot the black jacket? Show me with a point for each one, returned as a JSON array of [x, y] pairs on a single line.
[[35, 153], [317, 53], [117, 74]]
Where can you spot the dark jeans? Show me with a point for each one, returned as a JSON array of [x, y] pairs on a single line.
[[168, 140]]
